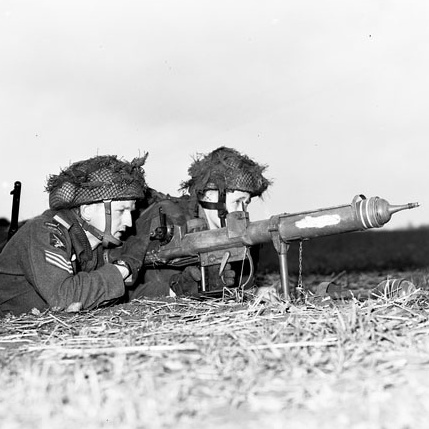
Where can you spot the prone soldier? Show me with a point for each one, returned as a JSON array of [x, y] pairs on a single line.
[[57, 260], [221, 182]]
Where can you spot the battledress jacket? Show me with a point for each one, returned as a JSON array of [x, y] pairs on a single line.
[[154, 281], [48, 264]]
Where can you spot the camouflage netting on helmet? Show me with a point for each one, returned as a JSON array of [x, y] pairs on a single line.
[[225, 169], [97, 179]]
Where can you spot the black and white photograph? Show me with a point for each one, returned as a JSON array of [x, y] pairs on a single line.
[[214, 214]]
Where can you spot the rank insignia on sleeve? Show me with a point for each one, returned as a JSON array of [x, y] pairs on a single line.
[[57, 241], [59, 261]]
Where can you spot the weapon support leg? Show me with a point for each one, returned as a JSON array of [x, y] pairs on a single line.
[[284, 278]]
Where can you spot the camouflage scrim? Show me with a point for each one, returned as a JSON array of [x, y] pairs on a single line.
[[225, 169], [97, 179]]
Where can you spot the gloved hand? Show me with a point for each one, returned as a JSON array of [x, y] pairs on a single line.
[[228, 276], [133, 260], [132, 251], [186, 282]]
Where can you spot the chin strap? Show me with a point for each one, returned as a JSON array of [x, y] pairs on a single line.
[[220, 206], [105, 237]]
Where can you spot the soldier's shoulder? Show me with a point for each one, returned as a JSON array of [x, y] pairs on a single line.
[[167, 202]]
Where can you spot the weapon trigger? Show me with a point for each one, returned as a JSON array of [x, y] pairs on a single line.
[[223, 263]]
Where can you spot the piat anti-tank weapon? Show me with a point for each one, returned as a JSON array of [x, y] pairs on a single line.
[[177, 248]]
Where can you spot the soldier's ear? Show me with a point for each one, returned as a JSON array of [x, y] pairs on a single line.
[[211, 196], [86, 211]]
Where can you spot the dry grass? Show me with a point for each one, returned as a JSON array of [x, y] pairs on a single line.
[[190, 364]]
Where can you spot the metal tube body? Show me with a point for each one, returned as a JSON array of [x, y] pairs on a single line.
[[329, 221], [291, 227], [360, 215]]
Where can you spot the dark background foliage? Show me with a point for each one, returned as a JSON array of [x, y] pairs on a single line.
[[358, 251]]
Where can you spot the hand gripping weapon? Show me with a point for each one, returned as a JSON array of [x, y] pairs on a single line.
[[178, 248]]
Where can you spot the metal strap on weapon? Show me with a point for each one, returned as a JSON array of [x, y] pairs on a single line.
[[223, 266], [252, 269], [238, 291], [247, 256]]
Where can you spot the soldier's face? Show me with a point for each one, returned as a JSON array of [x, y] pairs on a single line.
[[121, 216], [235, 201]]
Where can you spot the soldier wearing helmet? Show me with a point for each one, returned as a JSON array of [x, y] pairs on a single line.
[[221, 181], [57, 260]]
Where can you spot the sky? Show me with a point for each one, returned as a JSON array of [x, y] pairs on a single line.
[[331, 95]]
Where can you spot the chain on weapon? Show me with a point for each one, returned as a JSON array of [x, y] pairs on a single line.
[[300, 285]]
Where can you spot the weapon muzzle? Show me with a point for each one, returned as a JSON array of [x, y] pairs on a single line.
[[374, 212]]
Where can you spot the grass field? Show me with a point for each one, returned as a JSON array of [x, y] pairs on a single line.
[[312, 363], [188, 364]]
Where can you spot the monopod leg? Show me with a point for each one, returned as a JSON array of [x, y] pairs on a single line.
[[284, 278]]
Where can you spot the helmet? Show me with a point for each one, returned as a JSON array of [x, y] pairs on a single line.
[[225, 169], [97, 179]]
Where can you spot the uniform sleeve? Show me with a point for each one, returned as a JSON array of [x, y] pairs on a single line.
[[50, 269]]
